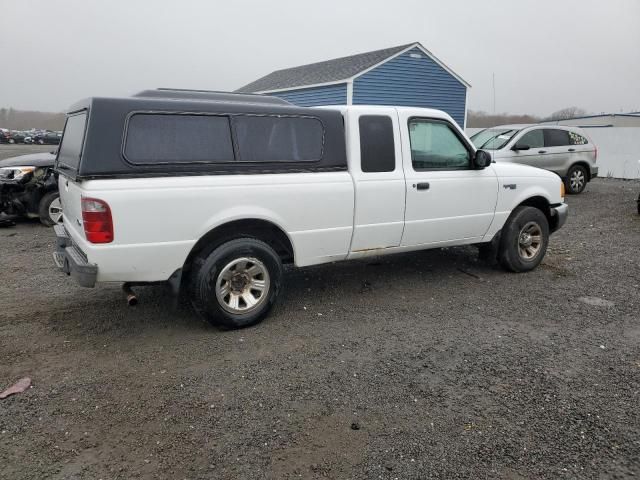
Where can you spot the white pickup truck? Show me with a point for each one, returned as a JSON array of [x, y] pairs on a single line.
[[213, 193]]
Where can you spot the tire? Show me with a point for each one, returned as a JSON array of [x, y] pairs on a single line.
[[521, 229], [48, 203], [236, 266], [576, 181]]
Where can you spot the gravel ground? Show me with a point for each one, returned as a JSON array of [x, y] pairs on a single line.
[[421, 365]]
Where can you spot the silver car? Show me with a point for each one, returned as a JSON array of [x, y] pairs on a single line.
[[567, 151]]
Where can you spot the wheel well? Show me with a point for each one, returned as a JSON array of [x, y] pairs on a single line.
[[541, 204], [586, 167], [263, 230]]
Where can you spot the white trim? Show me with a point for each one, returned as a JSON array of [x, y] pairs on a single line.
[[439, 62], [303, 87], [466, 109], [426, 52], [350, 92], [397, 54], [349, 80]]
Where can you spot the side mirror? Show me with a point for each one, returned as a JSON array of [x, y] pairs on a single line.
[[482, 159], [521, 146]]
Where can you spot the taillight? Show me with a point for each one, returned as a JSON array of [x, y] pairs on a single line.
[[595, 158], [96, 218]]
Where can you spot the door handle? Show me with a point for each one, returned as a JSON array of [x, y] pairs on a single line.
[[421, 186], [572, 149], [542, 151]]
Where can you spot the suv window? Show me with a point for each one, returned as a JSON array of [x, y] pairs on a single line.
[[377, 151], [534, 138], [434, 145], [577, 139], [178, 138], [555, 137], [71, 147], [278, 139]]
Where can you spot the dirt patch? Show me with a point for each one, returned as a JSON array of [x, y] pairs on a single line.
[[449, 367]]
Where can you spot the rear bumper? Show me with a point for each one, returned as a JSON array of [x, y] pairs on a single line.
[[559, 214], [594, 171], [72, 261]]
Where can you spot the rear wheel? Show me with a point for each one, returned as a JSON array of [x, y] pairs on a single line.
[[524, 239], [50, 209], [576, 179], [235, 285]]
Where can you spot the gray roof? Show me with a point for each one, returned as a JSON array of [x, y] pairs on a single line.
[[321, 72]]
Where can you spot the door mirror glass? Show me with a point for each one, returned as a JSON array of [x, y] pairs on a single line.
[[482, 159]]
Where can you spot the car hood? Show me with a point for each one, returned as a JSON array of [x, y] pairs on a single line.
[[35, 159]]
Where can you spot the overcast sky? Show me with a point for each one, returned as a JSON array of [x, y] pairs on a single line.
[[546, 54]]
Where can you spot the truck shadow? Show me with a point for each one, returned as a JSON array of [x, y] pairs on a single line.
[[343, 285]]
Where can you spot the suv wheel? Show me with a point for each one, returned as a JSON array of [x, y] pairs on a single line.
[[235, 285], [524, 240], [576, 179], [50, 209]]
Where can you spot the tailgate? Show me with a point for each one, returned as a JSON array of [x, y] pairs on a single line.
[[71, 195]]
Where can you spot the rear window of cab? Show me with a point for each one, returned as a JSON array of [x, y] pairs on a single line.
[[171, 138]]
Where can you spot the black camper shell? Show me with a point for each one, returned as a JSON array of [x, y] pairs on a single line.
[[182, 132]]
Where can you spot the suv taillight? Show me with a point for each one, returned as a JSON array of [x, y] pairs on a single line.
[[595, 158], [96, 218]]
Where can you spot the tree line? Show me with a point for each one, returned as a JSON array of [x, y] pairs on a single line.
[[24, 120], [480, 119]]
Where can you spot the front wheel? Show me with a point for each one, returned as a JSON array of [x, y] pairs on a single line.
[[524, 239], [50, 209], [236, 284]]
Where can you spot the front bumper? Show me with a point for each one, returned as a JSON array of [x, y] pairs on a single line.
[[559, 214], [72, 261]]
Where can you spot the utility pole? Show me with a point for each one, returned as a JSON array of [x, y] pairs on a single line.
[[494, 93]]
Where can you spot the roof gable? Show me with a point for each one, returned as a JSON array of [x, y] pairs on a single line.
[[329, 71]]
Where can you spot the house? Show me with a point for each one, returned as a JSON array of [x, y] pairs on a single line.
[[407, 75]]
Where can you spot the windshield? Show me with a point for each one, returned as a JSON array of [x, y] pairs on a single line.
[[493, 138]]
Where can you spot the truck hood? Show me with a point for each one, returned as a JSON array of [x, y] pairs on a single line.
[[507, 169], [34, 160]]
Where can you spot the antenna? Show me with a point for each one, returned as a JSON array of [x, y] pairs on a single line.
[[494, 93]]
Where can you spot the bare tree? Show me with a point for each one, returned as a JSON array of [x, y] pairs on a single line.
[[567, 113], [21, 120], [480, 119]]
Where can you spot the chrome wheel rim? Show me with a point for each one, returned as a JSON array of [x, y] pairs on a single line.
[[242, 285], [530, 241], [55, 211], [577, 180]]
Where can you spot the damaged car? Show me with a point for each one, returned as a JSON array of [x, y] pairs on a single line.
[[29, 188]]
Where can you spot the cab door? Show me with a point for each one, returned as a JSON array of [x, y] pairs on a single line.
[[447, 199], [375, 163]]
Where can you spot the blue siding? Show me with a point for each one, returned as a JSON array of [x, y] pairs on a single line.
[[311, 97], [414, 82]]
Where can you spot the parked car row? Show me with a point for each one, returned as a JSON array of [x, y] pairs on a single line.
[[38, 137]]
